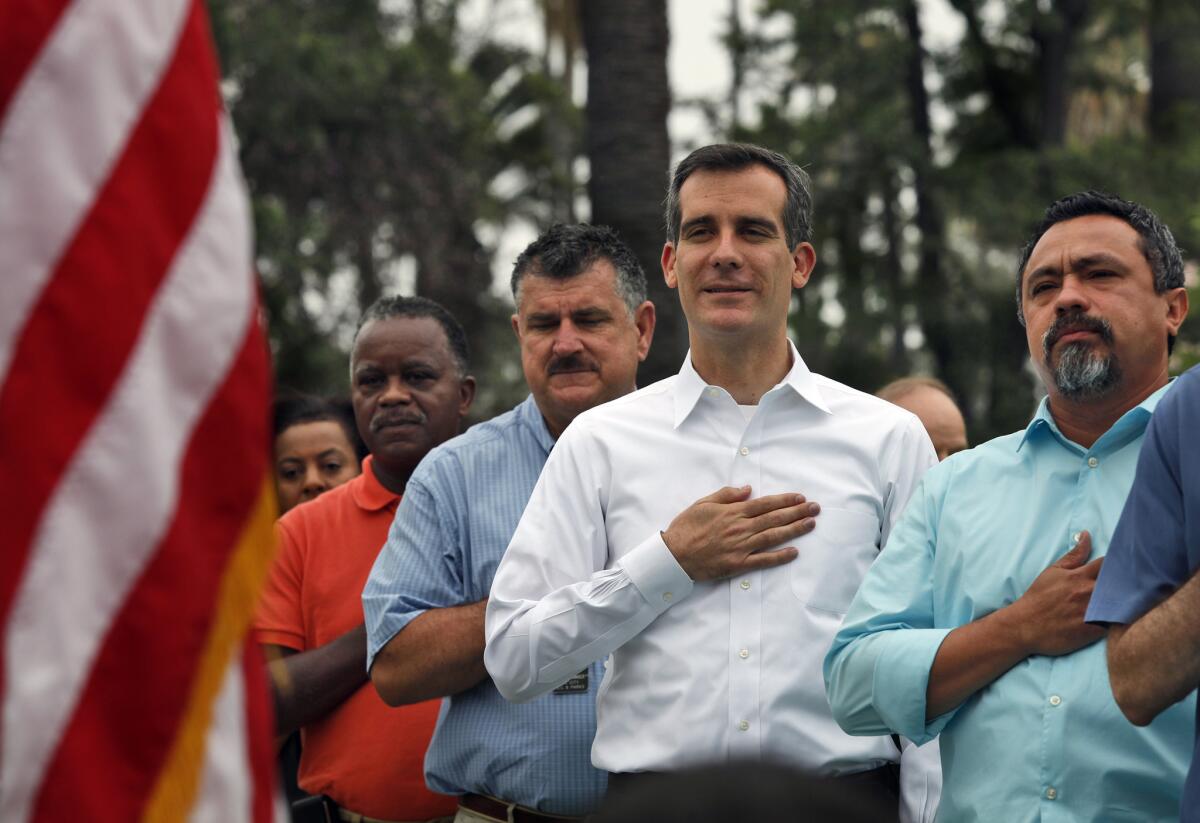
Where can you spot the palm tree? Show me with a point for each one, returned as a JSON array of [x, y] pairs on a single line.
[[627, 145]]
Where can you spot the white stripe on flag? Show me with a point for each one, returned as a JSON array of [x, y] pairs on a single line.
[[66, 125], [119, 493], [226, 792]]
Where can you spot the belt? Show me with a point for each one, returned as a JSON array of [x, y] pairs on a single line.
[[355, 817], [506, 812]]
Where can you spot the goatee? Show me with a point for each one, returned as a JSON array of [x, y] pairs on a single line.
[[1081, 373]]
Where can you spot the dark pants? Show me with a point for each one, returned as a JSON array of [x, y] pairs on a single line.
[[872, 795]]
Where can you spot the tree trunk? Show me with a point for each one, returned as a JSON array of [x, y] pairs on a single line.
[[369, 287], [452, 268], [561, 30], [737, 60], [1174, 69], [1002, 87], [898, 361], [932, 286], [627, 145], [1055, 34]]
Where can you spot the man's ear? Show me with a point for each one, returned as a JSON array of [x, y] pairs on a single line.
[[668, 265], [516, 324], [804, 260], [644, 319], [466, 395], [1177, 309]]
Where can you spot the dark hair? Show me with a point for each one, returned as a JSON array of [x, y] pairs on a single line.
[[386, 308], [566, 250], [293, 408], [797, 208], [1157, 243], [905, 386]]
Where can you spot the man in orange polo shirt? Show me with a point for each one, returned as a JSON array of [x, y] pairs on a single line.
[[410, 392]]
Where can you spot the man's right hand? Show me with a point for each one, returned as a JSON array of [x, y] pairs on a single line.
[[726, 532], [1047, 619], [1051, 611]]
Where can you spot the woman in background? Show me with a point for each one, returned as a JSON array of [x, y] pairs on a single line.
[[317, 447]]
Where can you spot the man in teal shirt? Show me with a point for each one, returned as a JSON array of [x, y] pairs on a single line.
[[970, 623]]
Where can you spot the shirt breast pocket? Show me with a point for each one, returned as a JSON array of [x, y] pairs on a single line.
[[833, 558]]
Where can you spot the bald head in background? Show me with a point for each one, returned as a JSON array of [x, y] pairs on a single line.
[[933, 404]]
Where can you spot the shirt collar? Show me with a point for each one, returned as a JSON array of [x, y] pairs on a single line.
[[369, 493], [690, 386], [1138, 416], [530, 416]]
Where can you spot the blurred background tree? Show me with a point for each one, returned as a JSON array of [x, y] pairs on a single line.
[[390, 147], [918, 228]]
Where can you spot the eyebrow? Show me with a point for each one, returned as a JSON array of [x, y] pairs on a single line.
[[417, 363], [542, 317], [760, 222], [1100, 258], [702, 220], [741, 222], [586, 312], [591, 312], [370, 367]]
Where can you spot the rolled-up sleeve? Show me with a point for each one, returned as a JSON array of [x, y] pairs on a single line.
[[877, 670], [557, 604]]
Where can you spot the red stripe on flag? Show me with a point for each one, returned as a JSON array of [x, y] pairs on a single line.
[[25, 27], [78, 338], [129, 714], [260, 732]]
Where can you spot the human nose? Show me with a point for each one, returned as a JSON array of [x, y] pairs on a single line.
[[395, 393], [313, 482], [566, 339], [726, 254], [1072, 295]]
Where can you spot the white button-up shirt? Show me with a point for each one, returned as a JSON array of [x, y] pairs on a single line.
[[716, 670]]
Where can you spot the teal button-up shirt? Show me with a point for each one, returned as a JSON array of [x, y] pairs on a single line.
[[1045, 741]]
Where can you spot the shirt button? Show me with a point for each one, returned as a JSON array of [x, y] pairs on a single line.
[[1093, 462], [745, 584], [1051, 793], [743, 451], [667, 596], [744, 726], [1055, 700], [744, 653]]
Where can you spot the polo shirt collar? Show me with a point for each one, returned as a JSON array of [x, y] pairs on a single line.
[[368, 492], [689, 386], [530, 416], [1135, 419]]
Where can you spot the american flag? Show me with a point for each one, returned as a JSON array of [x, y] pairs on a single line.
[[135, 507]]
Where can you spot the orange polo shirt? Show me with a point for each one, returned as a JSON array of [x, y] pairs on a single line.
[[364, 754]]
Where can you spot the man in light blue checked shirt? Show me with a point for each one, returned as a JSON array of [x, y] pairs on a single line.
[[584, 324]]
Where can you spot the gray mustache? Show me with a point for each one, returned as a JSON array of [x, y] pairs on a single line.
[[396, 419]]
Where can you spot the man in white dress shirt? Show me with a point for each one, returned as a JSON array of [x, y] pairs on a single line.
[[709, 531]]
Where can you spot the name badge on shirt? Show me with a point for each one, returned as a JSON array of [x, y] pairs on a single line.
[[577, 684]]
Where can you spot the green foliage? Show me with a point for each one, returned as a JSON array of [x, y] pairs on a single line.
[[918, 229], [371, 141]]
